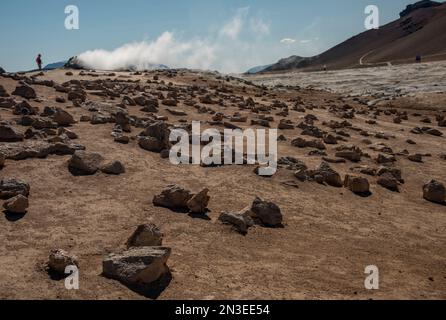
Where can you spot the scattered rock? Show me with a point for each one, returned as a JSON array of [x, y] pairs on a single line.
[[63, 118], [37, 149], [10, 188], [265, 213], [239, 221], [415, 158], [434, 132], [302, 143], [59, 260], [199, 202], [389, 182], [325, 174], [137, 266], [150, 144], [434, 191], [385, 158], [114, 167], [18, 204], [358, 185], [173, 197], [155, 137], [146, 235], [84, 163], [25, 91], [9, 134]]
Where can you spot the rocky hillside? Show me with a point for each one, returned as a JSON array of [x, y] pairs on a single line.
[[420, 30]]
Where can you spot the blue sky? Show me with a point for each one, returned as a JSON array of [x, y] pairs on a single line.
[[228, 35]]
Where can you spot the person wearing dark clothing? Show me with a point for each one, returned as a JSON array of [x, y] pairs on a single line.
[[418, 58], [39, 61]]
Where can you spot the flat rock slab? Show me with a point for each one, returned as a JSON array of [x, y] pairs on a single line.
[[137, 266], [37, 149]]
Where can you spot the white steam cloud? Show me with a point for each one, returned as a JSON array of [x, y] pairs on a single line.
[[239, 45], [165, 50]]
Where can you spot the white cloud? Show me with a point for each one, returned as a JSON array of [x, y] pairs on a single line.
[[164, 50], [233, 28], [287, 41]]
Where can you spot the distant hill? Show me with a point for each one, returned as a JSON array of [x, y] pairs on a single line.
[[421, 30], [55, 65], [419, 5], [257, 69]]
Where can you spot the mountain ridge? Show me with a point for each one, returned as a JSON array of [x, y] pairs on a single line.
[[418, 32]]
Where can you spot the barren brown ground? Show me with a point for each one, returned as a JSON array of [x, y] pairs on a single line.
[[330, 234]]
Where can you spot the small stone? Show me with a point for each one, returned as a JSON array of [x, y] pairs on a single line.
[[415, 158], [173, 197], [199, 202], [10, 188], [114, 167], [146, 235], [267, 213], [63, 118], [25, 91], [357, 185], [83, 163], [59, 260], [434, 191], [18, 204], [9, 134], [240, 222], [389, 182]]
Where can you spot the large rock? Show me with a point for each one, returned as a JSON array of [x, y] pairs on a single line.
[[2, 70], [434, 191], [266, 213], [3, 92], [146, 235], [24, 108], [325, 174], [78, 94], [348, 152], [159, 131], [25, 91], [388, 181], [10, 188], [239, 221], [150, 144], [63, 118], [358, 185], [9, 134], [2, 160], [37, 149], [173, 197], [59, 260], [137, 266], [114, 167], [85, 163], [18, 204], [199, 202]]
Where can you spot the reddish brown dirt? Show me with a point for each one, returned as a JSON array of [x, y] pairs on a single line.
[[330, 234]]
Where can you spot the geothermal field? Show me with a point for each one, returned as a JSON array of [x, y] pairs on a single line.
[[86, 181]]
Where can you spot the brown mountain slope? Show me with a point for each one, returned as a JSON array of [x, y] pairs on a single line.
[[419, 32]]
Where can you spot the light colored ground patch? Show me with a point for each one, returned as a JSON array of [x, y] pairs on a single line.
[[409, 80]]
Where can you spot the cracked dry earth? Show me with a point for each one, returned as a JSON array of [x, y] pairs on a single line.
[[330, 234]]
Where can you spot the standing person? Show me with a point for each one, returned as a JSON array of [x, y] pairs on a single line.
[[418, 58], [39, 61]]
